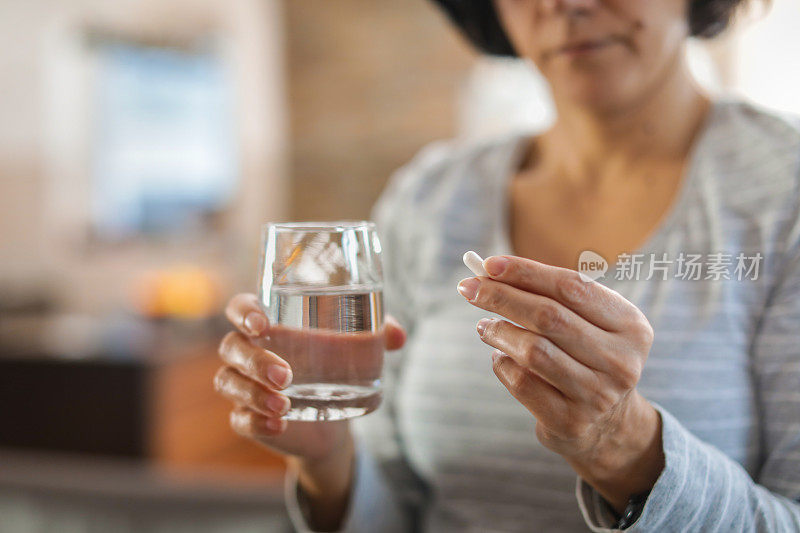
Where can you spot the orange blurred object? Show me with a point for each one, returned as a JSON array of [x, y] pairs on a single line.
[[181, 291]]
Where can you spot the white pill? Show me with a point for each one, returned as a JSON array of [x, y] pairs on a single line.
[[475, 263]]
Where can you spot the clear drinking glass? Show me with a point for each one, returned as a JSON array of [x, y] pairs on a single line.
[[321, 286]]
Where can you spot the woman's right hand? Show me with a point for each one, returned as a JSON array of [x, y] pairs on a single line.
[[253, 377]]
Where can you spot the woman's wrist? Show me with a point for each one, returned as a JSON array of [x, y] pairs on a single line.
[[629, 460], [325, 484]]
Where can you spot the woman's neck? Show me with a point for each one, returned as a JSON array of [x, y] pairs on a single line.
[[589, 144]]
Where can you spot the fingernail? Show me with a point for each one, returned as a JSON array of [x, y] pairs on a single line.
[[255, 322], [482, 323], [495, 265], [278, 404], [279, 375], [469, 287], [274, 424]]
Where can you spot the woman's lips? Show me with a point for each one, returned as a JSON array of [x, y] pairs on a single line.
[[585, 47]]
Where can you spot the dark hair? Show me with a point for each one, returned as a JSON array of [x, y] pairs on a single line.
[[479, 23]]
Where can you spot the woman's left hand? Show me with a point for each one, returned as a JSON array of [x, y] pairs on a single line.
[[573, 358]]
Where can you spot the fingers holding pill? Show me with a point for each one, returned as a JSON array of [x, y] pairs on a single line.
[[541, 315], [571, 352], [598, 304]]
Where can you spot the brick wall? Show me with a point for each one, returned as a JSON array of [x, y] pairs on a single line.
[[370, 82]]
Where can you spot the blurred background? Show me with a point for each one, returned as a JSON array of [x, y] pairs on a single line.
[[142, 145]]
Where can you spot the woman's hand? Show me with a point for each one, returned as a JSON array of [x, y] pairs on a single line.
[[573, 358], [252, 378]]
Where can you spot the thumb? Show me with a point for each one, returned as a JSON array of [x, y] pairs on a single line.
[[394, 333]]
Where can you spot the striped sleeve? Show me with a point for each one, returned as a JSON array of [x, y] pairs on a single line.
[[702, 489]]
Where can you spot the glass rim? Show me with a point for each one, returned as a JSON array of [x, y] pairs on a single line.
[[334, 226]]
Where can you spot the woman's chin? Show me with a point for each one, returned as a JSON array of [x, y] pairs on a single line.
[[593, 95]]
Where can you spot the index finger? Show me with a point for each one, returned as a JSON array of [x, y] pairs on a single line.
[[603, 307], [244, 312]]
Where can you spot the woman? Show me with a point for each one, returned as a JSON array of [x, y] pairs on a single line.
[[659, 400]]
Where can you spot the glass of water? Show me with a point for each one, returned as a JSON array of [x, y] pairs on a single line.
[[321, 286]]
